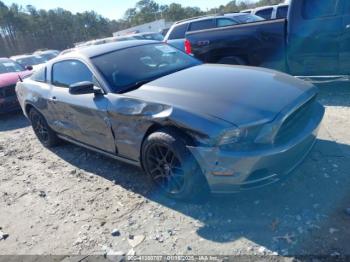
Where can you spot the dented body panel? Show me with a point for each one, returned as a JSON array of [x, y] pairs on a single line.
[[277, 115], [260, 165]]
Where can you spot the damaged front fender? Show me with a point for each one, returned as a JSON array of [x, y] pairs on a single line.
[[131, 119]]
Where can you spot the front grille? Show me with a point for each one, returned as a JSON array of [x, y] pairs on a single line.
[[295, 122], [7, 91]]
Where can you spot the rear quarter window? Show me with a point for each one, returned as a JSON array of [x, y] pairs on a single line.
[[202, 25], [312, 9], [282, 12], [178, 32], [222, 22], [265, 13]]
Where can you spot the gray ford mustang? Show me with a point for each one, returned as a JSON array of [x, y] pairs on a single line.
[[191, 127]]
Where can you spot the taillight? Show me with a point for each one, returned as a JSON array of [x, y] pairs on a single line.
[[188, 48]]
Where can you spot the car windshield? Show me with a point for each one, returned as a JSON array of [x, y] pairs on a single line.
[[128, 68], [48, 56], [9, 66], [248, 18], [31, 60]]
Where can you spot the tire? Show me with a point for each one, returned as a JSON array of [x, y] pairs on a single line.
[[42, 130], [172, 168]]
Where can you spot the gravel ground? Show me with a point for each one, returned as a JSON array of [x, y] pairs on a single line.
[[72, 201]]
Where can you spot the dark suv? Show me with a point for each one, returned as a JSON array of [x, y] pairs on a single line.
[[176, 34]]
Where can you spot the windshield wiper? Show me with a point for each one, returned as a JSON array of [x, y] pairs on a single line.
[[138, 84], [134, 86]]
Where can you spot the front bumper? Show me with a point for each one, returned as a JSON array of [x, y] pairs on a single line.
[[249, 169], [9, 104]]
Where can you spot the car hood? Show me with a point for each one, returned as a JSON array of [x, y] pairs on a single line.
[[12, 78], [237, 94]]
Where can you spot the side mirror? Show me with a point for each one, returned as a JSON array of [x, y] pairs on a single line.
[[82, 88], [29, 67]]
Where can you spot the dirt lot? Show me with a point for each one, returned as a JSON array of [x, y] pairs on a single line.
[[69, 201]]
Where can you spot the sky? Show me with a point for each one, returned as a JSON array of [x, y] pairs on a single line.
[[113, 9]]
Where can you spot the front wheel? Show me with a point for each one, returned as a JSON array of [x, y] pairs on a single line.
[[42, 130], [171, 166]]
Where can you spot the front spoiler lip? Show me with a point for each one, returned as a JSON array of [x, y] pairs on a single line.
[[233, 184], [273, 178]]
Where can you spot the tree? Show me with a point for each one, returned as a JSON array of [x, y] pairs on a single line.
[[26, 29]]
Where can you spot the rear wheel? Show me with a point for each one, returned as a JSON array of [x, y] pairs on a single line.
[[41, 129], [171, 166]]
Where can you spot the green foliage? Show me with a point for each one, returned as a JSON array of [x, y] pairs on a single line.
[[26, 29]]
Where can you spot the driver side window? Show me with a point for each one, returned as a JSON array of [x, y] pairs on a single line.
[[69, 72]]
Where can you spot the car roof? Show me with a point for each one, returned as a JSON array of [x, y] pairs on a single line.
[[5, 59], [45, 52], [96, 50], [236, 14], [206, 17], [144, 33], [265, 7], [196, 19], [22, 56]]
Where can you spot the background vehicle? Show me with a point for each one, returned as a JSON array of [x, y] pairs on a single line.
[[105, 41], [67, 50], [34, 61], [9, 75], [269, 12], [247, 11], [314, 41], [190, 126], [148, 36], [280, 11], [47, 54], [272, 12], [176, 34]]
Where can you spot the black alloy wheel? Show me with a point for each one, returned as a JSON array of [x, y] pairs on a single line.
[[42, 130], [165, 169], [171, 166]]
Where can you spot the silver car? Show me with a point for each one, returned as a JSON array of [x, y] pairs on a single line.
[[192, 127]]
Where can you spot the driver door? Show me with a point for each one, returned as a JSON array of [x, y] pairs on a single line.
[[81, 117]]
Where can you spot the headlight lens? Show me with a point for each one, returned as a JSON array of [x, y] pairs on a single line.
[[230, 136]]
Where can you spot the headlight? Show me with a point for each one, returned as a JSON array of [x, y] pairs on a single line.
[[230, 136]]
